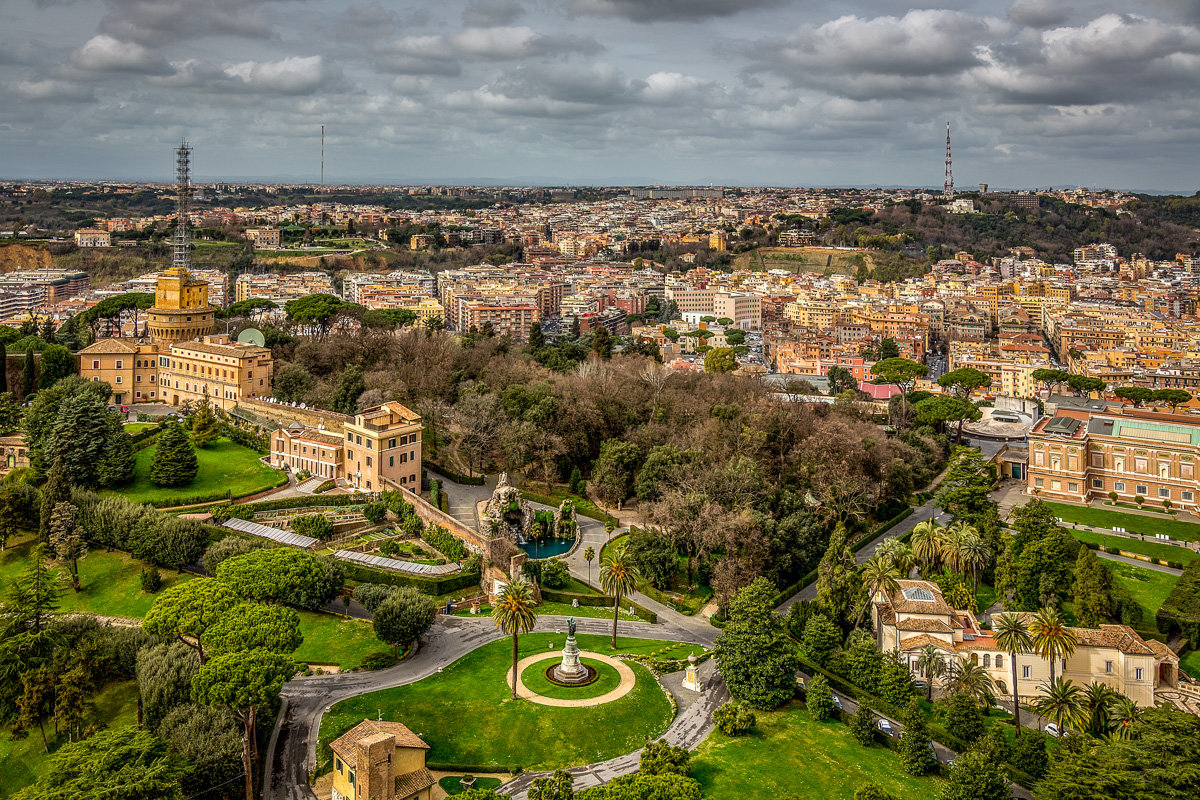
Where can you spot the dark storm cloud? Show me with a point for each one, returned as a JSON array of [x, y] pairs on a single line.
[[768, 91]]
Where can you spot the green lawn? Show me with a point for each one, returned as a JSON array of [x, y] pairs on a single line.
[[576, 586], [534, 678], [22, 761], [450, 784], [111, 582], [985, 597], [1148, 588], [789, 754], [468, 719], [566, 610], [1134, 523], [1190, 664], [136, 427], [1165, 552], [223, 466], [334, 640]]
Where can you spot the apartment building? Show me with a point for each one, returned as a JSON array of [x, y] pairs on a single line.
[[92, 237], [383, 449], [1081, 455], [217, 368], [916, 615], [263, 238], [281, 287], [515, 320]]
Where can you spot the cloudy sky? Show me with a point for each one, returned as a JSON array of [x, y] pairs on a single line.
[[775, 92]]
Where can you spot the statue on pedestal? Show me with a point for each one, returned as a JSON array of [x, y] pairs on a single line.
[[690, 679]]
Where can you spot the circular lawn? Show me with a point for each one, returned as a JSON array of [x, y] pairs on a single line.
[[535, 679], [468, 718]]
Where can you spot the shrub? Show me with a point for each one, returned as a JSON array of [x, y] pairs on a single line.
[[380, 659], [371, 595], [227, 548], [734, 719], [862, 726], [1029, 753], [963, 718], [317, 526], [444, 542], [819, 699], [554, 573], [915, 753], [660, 758], [873, 791], [374, 512], [151, 580]]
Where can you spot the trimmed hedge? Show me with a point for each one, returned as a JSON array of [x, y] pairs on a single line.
[[251, 441], [597, 601], [882, 528], [360, 573], [454, 476], [211, 497], [1103, 548], [248, 510]]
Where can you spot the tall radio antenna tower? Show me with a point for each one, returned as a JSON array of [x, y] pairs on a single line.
[[948, 188], [181, 251], [322, 156]]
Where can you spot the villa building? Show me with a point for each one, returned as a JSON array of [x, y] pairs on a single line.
[[917, 615], [377, 760]]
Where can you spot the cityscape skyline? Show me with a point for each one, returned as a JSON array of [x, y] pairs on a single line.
[[605, 92]]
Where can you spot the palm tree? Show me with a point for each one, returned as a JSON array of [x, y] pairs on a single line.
[[927, 538], [515, 615], [897, 552], [1096, 713], [975, 556], [1060, 701], [932, 664], [588, 555], [618, 576], [1052, 639], [878, 575], [971, 679], [1123, 716], [954, 545], [1011, 634]]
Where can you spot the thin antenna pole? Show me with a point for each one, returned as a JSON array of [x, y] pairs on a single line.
[[322, 156]]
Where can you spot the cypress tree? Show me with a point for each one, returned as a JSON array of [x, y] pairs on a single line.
[[174, 461], [915, 754], [205, 427], [536, 337], [116, 466], [55, 490], [29, 381]]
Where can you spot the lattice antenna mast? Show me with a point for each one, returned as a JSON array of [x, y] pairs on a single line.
[[322, 156], [181, 255], [948, 188]]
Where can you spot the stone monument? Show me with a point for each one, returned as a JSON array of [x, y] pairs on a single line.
[[690, 680], [570, 670]]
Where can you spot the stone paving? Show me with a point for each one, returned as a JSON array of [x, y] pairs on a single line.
[[628, 679]]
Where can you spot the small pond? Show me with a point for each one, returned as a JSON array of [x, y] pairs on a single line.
[[548, 548]]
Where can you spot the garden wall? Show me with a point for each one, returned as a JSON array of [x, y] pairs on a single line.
[[435, 516]]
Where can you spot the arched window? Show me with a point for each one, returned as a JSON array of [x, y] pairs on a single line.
[[999, 660], [987, 660], [1000, 687]]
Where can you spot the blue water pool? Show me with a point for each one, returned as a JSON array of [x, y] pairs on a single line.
[[548, 548]]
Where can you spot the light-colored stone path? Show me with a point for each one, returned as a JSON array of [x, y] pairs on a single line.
[[623, 688]]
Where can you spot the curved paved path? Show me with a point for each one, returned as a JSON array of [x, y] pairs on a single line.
[[291, 753], [624, 687]]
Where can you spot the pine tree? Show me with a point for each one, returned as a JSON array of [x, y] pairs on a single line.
[[345, 400], [206, 428], [174, 462], [29, 376], [66, 539], [862, 726], [602, 342], [536, 337], [55, 490], [915, 752], [116, 465], [33, 596], [837, 579], [48, 329], [963, 718]]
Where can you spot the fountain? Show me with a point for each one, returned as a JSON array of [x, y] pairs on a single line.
[[570, 672]]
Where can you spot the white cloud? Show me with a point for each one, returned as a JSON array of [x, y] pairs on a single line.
[[295, 75], [103, 53]]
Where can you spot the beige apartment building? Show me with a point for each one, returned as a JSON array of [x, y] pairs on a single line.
[[263, 238], [383, 449], [217, 368], [301, 449], [92, 237], [917, 615]]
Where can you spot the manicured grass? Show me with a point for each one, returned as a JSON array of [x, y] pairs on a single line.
[[22, 761], [985, 597], [450, 784], [329, 639], [111, 582], [596, 612], [1148, 588], [1134, 523], [790, 754], [1164, 552], [534, 678], [223, 466], [1190, 664], [466, 715], [135, 427], [576, 586]]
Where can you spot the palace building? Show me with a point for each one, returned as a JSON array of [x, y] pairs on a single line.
[[182, 362], [1080, 455]]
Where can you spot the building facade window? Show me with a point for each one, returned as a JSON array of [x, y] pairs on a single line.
[[1142, 489], [1119, 486], [1026, 671]]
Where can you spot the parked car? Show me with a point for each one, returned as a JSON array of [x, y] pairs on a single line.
[[1052, 730], [124, 409], [920, 685], [837, 701], [885, 727]]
